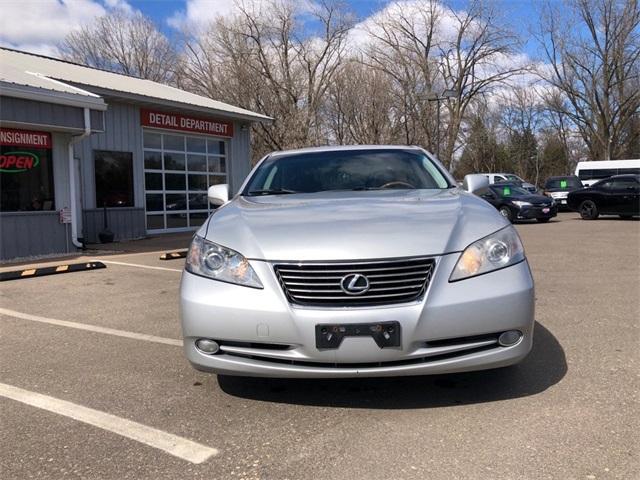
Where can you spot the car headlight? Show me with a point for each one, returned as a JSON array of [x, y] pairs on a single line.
[[490, 253], [214, 261], [521, 204]]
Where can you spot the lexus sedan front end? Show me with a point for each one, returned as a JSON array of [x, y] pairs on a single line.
[[355, 261]]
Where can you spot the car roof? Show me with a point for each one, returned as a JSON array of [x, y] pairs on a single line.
[[342, 148], [622, 175], [561, 176]]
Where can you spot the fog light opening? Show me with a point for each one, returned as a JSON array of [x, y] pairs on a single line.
[[208, 346], [509, 338]]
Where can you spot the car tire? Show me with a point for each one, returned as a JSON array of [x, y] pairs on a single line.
[[506, 213], [543, 220], [588, 210]]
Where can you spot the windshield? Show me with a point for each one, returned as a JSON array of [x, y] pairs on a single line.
[[346, 170], [510, 191], [563, 182]]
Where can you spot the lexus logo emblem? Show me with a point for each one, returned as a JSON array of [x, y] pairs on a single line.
[[354, 284]]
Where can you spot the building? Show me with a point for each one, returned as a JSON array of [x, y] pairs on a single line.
[[74, 140]]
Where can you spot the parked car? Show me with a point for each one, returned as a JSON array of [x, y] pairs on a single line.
[[617, 195], [351, 262], [510, 178], [515, 203], [559, 187]]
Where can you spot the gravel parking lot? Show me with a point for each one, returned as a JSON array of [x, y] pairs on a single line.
[[81, 341]]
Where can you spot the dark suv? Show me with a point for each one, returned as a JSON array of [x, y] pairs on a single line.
[[559, 188], [617, 195]]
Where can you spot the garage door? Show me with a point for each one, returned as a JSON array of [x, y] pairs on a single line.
[[178, 169]]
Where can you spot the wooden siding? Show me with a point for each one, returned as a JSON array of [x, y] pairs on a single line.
[[125, 223], [122, 134], [35, 113], [27, 234], [239, 156]]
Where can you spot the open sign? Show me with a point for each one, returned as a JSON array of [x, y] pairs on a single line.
[[16, 162]]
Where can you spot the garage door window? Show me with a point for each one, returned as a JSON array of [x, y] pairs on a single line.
[[178, 171]]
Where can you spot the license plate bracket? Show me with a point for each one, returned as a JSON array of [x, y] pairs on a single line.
[[330, 335]]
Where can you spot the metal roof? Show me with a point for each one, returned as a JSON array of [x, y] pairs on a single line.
[[15, 82], [21, 68]]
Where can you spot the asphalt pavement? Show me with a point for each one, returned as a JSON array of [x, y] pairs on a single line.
[[93, 384]]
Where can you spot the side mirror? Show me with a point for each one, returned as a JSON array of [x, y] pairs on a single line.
[[473, 183], [218, 194]]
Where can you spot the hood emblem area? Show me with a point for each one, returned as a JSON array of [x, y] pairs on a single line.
[[355, 284]]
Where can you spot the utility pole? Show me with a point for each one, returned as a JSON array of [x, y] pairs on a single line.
[[433, 97]]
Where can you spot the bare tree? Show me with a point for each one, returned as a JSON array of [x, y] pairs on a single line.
[[594, 57], [279, 58], [401, 45], [359, 107], [124, 43], [474, 63], [426, 48]]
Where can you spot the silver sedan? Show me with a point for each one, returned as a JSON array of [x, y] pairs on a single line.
[[354, 261]]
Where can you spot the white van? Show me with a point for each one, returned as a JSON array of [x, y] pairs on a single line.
[[593, 171]]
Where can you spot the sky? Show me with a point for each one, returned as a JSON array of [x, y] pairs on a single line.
[[38, 25]]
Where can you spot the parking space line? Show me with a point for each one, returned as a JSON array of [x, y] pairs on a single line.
[[91, 328], [172, 444], [141, 266]]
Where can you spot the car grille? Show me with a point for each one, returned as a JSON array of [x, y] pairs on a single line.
[[390, 281]]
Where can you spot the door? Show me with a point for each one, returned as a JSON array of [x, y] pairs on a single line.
[[625, 192], [488, 195], [605, 197]]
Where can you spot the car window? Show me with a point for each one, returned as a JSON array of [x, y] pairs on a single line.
[[498, 178], [603, 185], [486, 193], [346, 170], [633, 171], [514, 178], [563, 182], [598, 173], [622, 183]]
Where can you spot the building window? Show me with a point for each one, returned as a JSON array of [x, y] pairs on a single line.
[[178, 169], [114, 178], [26, 171]]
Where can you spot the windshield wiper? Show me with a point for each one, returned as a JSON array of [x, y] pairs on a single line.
[[271, 191], [359, 189]]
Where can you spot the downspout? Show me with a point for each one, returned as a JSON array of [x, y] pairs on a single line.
[[72, 177]]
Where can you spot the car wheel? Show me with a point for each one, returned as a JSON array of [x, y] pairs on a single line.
[[588, 210], [506, 213], [543, 220]]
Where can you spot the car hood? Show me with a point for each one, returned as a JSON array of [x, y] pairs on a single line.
[[352, 225], [532, 198]]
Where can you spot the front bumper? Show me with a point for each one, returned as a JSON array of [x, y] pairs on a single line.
[[560, 198], [452, 328], [537, 212]]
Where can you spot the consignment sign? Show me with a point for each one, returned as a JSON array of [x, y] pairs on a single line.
[[26, 170], [22, 150], [185, 123]]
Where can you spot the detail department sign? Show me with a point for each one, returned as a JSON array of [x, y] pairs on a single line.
[[185, 123]]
